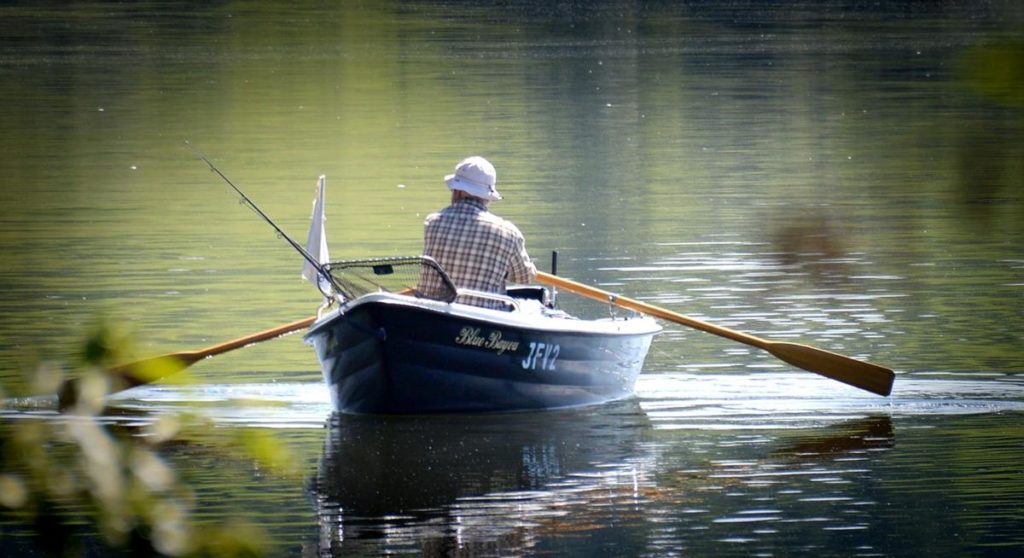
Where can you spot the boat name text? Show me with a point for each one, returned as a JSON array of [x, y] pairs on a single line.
[[472, 337]]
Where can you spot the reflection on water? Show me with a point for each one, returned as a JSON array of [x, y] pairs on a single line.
[[475, 484], [874, 148], [596, 479], [852, 437], [625, 480], [710, 464]]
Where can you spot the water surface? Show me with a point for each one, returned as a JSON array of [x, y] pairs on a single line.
[[830, 173]]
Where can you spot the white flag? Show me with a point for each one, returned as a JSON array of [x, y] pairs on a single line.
[[316, 242]]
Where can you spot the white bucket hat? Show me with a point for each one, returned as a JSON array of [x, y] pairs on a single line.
[[475, 176]]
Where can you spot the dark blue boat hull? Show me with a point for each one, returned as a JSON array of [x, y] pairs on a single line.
[[383, 357]]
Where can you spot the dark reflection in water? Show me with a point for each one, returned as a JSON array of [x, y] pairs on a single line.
[[479, 484], [868, 434], [585, 482], [699, 464]]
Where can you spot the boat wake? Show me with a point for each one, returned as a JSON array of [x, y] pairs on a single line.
[[782, 400], [722, 401]]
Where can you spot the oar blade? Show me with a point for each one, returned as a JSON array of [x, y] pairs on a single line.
[[152, 369], [127, 376], [850, 371], [148, 370]]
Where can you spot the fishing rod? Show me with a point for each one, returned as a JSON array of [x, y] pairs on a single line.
[[280, 233]]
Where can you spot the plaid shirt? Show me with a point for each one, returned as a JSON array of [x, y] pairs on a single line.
[[478, 249]]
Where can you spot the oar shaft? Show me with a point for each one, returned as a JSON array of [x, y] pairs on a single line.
[[255, 338], [651, 310]]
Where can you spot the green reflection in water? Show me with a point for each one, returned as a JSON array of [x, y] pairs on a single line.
[[618, 132]]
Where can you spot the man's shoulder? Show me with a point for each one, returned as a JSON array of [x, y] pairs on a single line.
[[502, 223], [435, 216]]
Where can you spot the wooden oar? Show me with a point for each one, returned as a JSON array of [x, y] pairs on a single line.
[[857, 373], [127, 376]]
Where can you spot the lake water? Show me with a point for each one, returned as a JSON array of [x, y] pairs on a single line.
[[845, 175]]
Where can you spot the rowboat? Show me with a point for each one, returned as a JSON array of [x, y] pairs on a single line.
[[390, 348], [386, 350]]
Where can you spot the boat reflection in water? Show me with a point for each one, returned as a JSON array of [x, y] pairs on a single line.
[[469, 483], [525, 483]]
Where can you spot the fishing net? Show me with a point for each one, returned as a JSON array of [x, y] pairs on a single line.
[[354, 278]]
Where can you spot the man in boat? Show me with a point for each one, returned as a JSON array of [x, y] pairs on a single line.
[[478, 249]]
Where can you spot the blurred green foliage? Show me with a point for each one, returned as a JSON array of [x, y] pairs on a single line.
[[66, 479]]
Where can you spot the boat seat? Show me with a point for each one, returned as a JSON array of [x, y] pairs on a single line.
[[530, 292]]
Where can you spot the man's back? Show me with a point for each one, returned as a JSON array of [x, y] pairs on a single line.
[[478, 250]]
